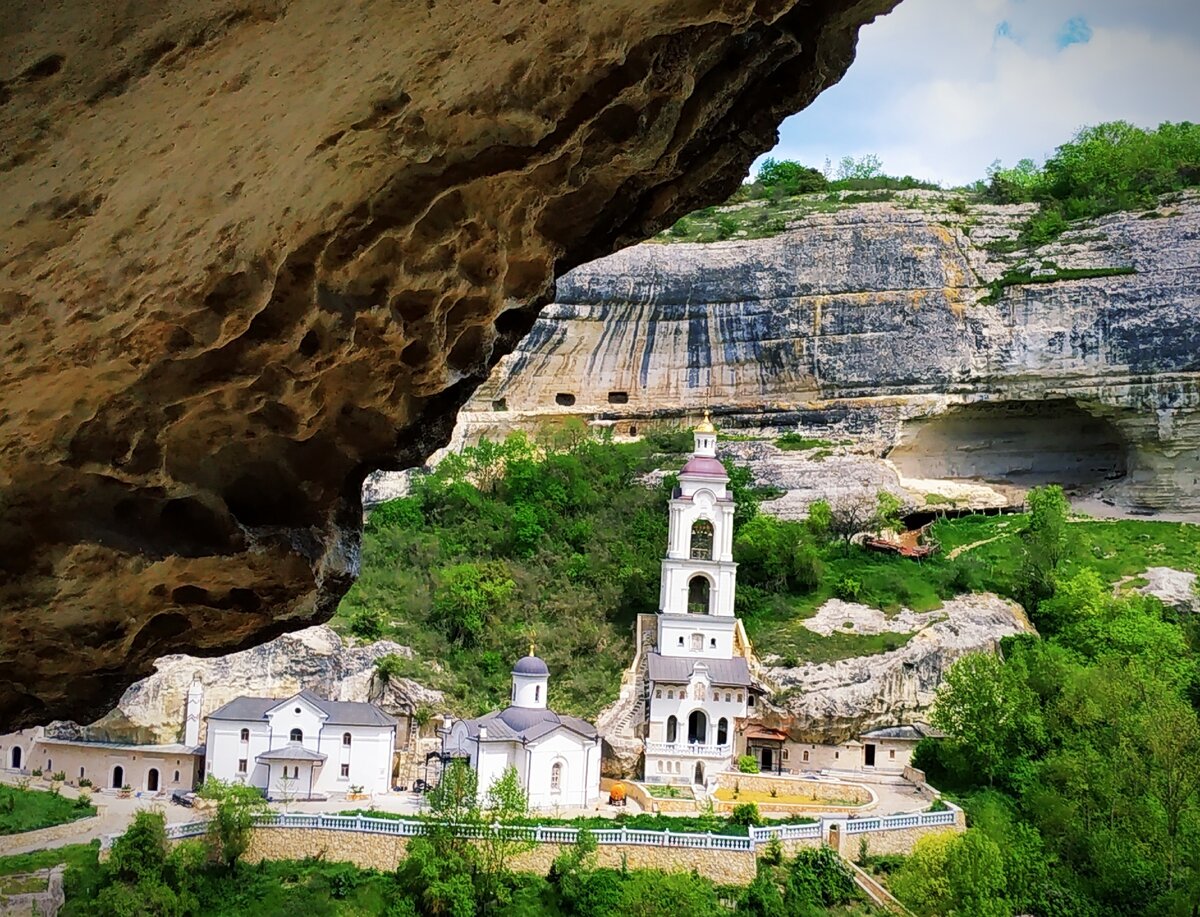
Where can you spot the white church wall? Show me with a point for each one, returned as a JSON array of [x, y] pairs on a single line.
[[674, 628]]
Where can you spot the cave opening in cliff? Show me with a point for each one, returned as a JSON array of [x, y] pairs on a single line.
[[1024, 443]]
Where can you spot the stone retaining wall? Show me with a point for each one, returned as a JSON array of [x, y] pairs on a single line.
[[900, 840], [386, 852]]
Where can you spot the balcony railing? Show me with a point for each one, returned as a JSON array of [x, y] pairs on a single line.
[[689, 749]]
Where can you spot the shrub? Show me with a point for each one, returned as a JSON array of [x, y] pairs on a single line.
[[747, 764], [847, 588], [59, 776], [367, 623], [746, 813], [84, 781], [36, 772]]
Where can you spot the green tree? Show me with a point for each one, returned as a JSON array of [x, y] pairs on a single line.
[[505, 805], [233, 816], [988, 713], [468, 595]]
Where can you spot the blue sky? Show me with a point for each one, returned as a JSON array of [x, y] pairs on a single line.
[[940, 88]]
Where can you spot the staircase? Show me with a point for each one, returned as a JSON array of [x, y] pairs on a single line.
[[622, 724]]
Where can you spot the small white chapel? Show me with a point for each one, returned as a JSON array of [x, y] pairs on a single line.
[[557, 757], [698, 680]]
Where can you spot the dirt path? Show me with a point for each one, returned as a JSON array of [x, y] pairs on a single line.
[[970, 547]]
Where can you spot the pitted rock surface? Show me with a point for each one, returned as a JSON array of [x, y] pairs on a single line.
[[251, 250]]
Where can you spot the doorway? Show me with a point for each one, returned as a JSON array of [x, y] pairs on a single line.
[[697, 728], [16, 757], [152, 780], [869, 755], [118, 779], [767, 763], [699, 777]]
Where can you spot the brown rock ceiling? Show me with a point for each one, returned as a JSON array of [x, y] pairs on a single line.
[[252, 249]]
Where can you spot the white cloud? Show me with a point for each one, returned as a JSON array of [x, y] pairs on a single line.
[[936, 93]]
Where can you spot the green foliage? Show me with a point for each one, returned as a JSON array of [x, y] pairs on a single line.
[[1110, 167], [818, 877], [233, 817], [367, 623], [954, 874], [790, 177], [28, 810], [747, 764], [468, 596], [746, 813]]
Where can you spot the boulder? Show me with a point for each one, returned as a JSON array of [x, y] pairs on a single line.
[[316, 659], [833, 702]]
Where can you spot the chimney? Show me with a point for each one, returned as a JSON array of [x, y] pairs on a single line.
[[191, 724]]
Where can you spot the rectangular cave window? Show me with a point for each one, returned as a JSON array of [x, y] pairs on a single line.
[[566, 399], [633, 429], [618, 397], [500, 404]]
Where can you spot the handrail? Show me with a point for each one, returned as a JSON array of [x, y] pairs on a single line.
[[562, 834]]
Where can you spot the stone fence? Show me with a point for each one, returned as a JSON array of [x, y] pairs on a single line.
[[381, 843]]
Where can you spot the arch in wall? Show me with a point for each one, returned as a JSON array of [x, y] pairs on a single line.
[[16, 757], [700, 595], [152, 780], [296, 735], [245, 735], [722, 731], [558, 772], [698, 777], [702, 540], [697, 728], [672, 728], [118, 777]]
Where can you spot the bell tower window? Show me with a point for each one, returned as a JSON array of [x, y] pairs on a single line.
[[702, 540], [699, 595]]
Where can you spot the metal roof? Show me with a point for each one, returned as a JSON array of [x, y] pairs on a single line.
[[526, 724], [337, 712], [290, 752], [530, 665], [911, 732], [679, 669]]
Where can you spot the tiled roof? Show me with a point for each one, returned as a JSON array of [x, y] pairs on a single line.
[[678, 669], [337, 712]]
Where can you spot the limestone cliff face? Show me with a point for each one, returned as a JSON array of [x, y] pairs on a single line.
[[316, 658], [252, 249], [832, 702], [873, 322]]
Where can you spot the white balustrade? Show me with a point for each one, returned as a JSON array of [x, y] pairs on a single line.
[[689, 750]]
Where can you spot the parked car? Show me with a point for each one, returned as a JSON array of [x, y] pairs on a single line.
[[183, 798]]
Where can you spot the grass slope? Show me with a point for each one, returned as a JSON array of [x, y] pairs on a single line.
[[28, 810]]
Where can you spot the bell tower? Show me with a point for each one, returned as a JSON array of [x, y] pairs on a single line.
[[698, 574]]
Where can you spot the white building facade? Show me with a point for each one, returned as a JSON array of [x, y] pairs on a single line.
[[557, 757], [699, 685], [301, 747]]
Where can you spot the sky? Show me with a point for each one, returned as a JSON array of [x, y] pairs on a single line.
[[941, 88]]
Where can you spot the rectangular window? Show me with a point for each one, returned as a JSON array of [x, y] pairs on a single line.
[[241, 765], [785, 754], [892, 754], [345, 770], [806, 756]]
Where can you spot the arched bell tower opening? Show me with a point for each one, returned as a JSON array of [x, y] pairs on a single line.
[[699, 595], [702, 540]]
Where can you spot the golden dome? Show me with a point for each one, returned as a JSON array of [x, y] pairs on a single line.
[[706, 425]]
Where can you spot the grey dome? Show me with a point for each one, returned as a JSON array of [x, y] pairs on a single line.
[[530, 665]]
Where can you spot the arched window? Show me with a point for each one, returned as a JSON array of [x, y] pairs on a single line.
[[806, 756], [346, 739], [660, 767], [537, 693], [672, 729], [716, 695], [152, 780], [176, 777], [699, 595], [697, 728], [556, 777], [118, 777], [81, 773], [296, 735], [722, 731], [670, 696], [245, 735], [702, 540]]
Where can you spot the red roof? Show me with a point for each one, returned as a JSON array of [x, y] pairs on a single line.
[[703, 464], [766, 732]]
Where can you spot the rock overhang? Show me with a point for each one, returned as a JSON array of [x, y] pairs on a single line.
[[256, 249]]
